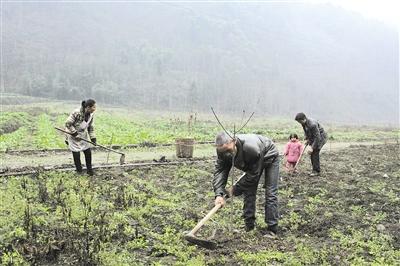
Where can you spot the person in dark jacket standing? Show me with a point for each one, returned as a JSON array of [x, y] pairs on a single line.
[[252, 154], [80, 124], [316, 138]]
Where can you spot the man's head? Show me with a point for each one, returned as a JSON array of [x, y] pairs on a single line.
[[301, 118], [224, 143]]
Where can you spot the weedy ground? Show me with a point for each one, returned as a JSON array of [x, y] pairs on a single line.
[[348, 216]]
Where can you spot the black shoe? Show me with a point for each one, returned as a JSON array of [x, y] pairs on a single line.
[[271, 232], [270, 235], [78, 170], [249, 227], [90, 172], [273, 228], [314, 173]]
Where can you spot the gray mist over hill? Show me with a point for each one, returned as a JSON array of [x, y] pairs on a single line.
[[276, 59]]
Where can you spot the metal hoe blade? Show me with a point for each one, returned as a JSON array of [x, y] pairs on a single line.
[[122, 159], [208, 244]]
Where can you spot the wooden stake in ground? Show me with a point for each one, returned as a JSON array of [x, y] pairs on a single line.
[[111, 140]]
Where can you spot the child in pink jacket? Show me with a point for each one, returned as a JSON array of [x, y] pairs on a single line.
[[293, 149]]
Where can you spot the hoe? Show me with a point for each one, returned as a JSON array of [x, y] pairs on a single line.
[[121, 160], [205, 243], [297, 163]]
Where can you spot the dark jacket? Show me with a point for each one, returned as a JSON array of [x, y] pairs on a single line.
[[254, 152], [315, 134]]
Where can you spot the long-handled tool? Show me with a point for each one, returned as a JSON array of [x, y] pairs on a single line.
[[121, 160], [305, 147], [206, 243]]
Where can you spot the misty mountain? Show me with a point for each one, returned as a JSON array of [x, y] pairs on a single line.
[[271, 58]]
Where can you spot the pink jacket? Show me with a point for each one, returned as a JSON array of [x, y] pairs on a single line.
[[293, 149]]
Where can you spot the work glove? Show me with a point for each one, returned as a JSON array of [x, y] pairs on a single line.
[[93, 140]]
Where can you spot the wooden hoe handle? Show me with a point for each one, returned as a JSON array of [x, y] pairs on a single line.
[[88, 141], [205, 219], [300, 156]]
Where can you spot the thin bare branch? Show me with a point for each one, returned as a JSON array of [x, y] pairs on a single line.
[[219, 122], [243, 114], [246, 122]]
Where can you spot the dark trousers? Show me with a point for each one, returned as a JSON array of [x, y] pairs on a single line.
[[248, 187], [88, 160], [315, 160]]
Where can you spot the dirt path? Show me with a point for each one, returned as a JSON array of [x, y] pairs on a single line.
[[51, 159]]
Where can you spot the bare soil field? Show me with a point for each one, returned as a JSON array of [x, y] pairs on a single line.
[[137, 216]]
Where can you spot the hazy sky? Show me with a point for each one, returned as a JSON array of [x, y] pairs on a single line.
[[383, 10]]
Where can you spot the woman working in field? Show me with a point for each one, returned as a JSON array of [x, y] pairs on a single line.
[[80, 125]]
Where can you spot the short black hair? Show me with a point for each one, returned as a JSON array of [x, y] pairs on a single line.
[[300, 116], [293, 136]]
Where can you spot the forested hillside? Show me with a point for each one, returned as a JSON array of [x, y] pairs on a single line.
[[272, 58]]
